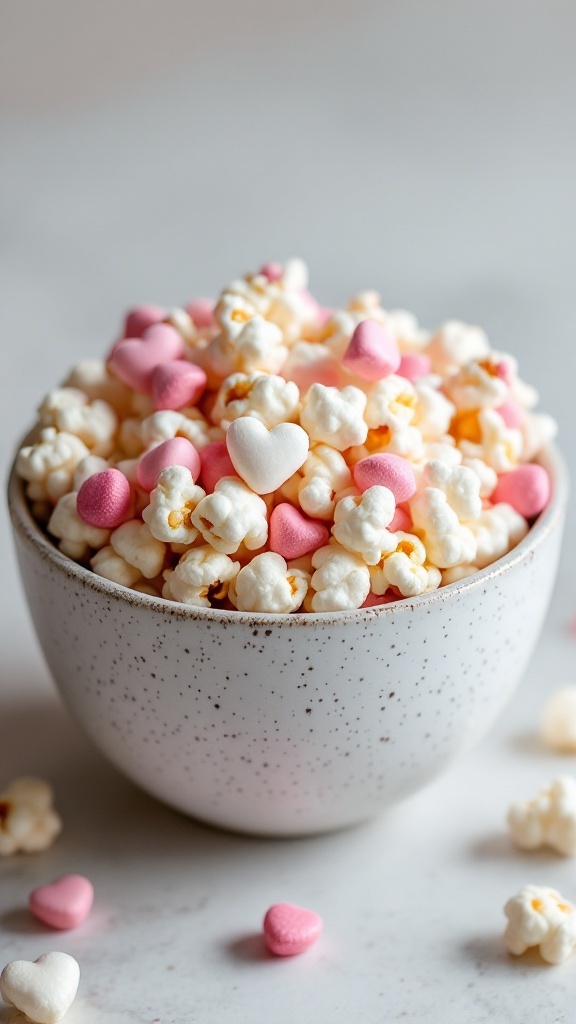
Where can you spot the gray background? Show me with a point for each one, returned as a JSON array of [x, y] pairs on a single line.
[[151, 152]]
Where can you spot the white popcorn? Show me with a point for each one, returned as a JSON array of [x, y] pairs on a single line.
[[360, 522], [496, 531], [339, 329], [460, 485], [183, 323], [28, 821], [69, 410], [258, 346], [444, 449], [549, 819], [477, 386], [75, 537], [93, 378], [88, 467], [559, 721], [50, 463], [172, 502], [201, 576], [487, 476], [268, 398], [341, 580], [266, 584], [405, 569], [499, 446], [325, 475], [334, 416], [456, 573], [391, 403], [538, 916], [447, 542], [169, 423], [404, 327], [433, 411], [134, 543], [233, 514], [538, 429], [130, 437], [113, 567], [454, 344]]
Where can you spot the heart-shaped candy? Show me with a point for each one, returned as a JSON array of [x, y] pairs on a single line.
[[202, 313], [43, 989], [372, 352], [293, 534], [105, 499], [177, 451], [386, 470], [177, 384], [273, 271], [289, 929], [414, 365], [63, 904], [134, 359], [215, 463], [265, 459], [141, 317], [512, 413], [526, 488]]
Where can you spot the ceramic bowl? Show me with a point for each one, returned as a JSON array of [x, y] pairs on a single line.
[[287, 725]]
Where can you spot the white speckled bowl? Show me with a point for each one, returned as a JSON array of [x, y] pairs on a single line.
[[287, 725]]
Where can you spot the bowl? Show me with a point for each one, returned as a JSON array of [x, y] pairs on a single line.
[[294, 724]]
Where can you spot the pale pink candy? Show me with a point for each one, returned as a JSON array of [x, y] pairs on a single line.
[[386, 470], [526, 489], [273, 271], [289, 929], [414, 365], [178, 451], [63, 904], [215, 463], [372, 353], [323, 315], [202, 313], [401, 521], [105, 499], [505, 372], [293, 534], [373, 600], [512, 414], [140, 318], [134, 359], [177, 384]]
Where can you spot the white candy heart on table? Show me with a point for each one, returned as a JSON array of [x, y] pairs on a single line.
[[43, 989], [265, 459]]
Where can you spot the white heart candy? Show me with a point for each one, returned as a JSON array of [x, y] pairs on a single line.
[[45, 989], [265, 459]]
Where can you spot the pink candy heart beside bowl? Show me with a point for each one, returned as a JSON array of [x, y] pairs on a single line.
[[292, 724]]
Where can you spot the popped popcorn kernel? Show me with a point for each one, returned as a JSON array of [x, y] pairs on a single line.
[[548, 819], [28, 821], [266, 584], [538, 916]]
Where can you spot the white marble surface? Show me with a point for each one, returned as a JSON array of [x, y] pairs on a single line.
[[422, 148]]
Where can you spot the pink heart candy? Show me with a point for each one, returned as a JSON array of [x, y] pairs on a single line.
[[414, 365], [372, 352], [512, 414], [134, 359], [105, 499], [140, 318], [293, 534], [177, 451], [63, 904], [401, 521], [289, 929], [216, 463], [526, 489], [386, 470], [202, 313], [175, 385], [273, 271]]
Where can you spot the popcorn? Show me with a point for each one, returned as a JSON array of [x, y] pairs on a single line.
[[202, 575], [433, 412], [460, 485], [269, 398], [113, 567], [360, 523], [404, 569], [447, 542], [230, 516], [496, 444], [549, 819], [257, 346], [487, 476], [266, 584], [496, 531], [559, 721], [455, 344], [134, 542], [50, 463], [169, 423], [75, 536], [172, 502], [69, 410], [335, 417], [341, 580], [477, 386], [89, 466], [325, 476], [538, 916], [93, 378], [28, 821]]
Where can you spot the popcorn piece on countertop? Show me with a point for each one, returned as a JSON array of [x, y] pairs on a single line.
[[43, 989], [28, 821], [49, 464], [325, 475], [360, 523], [538, 916], [69, 410], [266, 584], [454, 344], [549, 819], [201, 575], [75, 536], [134, 543], [559, 721], [268, 398], [341, 580], [496, 531], [233, 514], [113, 567], [172, 502], [335, 417]]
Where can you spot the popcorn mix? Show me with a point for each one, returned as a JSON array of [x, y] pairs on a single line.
[[541, 917], [28, 821], [262, 453]]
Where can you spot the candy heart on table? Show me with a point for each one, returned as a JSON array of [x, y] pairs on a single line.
[[140, 318], [134, 359], [386, 470], [215, 463], [289, 929], [177, 451], [43, 989], [202, 313], [177, 384], [372, 352], [105, 499], [265, 459], [526, 489], [63, 904], [292, 534]]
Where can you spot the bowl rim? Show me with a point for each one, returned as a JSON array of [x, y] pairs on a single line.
[[24, 524]]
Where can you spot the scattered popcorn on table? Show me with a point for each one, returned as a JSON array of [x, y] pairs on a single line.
[[559, 721], [221, 441], [549, 819], [28, 821], [538, 916]]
